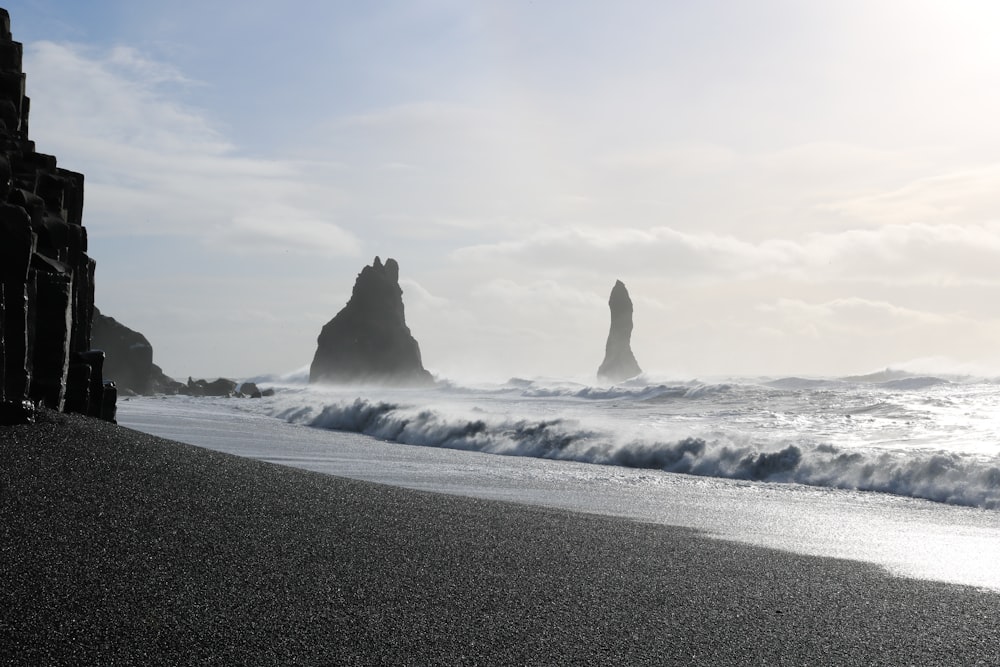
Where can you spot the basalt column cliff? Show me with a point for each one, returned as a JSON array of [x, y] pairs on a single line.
[[46, 277], [368, 340], [619, 362]]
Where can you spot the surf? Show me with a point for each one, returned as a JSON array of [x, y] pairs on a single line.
[[891, 439]]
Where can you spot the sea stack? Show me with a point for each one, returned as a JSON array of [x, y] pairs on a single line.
[[368, 340], [619, 362]]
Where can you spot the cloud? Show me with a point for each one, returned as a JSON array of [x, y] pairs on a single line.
[[543, 295], [134, 65], [155, 165], [284, 228], [658, 250], [418, 296], [901, 254], [851, 316], [860, 333], [970, 195]]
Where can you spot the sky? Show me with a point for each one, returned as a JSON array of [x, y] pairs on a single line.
[[786, 188]]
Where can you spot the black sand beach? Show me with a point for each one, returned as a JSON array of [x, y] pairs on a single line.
[[121, 548]]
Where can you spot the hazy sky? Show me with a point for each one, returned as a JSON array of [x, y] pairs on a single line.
[[785, 187]]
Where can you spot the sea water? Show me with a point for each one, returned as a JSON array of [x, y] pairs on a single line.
[[897, 470]]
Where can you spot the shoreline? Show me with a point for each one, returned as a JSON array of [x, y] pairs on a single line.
[[955, 544], [120, 547]]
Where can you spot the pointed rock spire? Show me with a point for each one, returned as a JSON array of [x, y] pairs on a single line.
[[619, 362], [368, 340]]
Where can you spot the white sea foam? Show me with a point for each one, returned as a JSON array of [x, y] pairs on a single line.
[[908, 536], [903, 438]]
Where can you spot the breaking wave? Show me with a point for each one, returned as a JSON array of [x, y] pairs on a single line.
[[639, 392], [913, 383], [948, 477]]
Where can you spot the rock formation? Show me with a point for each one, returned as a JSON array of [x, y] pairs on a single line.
[[218, 387], [250, 390], [128, 360], [128, 355], [368, 340], [46, 277], [619, 362]]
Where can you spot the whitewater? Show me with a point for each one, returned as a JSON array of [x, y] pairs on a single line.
[[895, 469]]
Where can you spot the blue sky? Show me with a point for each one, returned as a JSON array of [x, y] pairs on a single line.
[[785, 187]]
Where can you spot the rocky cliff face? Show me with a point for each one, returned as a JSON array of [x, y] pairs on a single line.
[[128, 358], [46, 277], [128, 355], [619, 362], [368, 340]]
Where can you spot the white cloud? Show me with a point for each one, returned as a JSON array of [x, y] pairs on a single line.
[[136, 66], [418, 296], [970, 195], [852, 316], [905, 254], [156, 166], [284, 229], [859, 334], [540, 295], [658, 250]]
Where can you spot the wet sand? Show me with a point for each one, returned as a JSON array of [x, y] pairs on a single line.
[[118, 547]]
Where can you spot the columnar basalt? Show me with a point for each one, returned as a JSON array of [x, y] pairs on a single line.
[[46, 276], [368, 340], [619, 362]]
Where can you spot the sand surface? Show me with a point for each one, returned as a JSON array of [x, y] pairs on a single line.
[[118, 547]]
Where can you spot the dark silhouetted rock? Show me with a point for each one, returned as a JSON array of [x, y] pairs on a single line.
[[95, 360], [78, 386], [109, 402], [619, 362], [161, 383], [53, 317], [368, 340], [129, 359], [220, 387], [250, 389], [128, 354], [46, 277]]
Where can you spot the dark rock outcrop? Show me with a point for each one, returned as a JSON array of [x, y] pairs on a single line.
[[619, 362], [250, 390], [46, 277], [128, 355], [161, 383], [219, 387], [368, 340], [129, 358]]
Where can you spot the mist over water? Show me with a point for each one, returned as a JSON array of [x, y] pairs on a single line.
[[916, 436]]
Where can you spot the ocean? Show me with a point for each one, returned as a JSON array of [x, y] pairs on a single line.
[[891, 468]]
